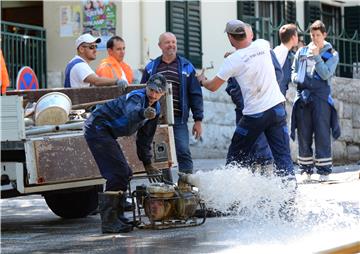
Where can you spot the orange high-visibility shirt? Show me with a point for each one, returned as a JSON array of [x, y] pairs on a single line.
[[4, 75], [111, 68]]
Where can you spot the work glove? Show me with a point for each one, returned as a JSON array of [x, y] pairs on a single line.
[[149, 113], [122, 84], [150, 171]]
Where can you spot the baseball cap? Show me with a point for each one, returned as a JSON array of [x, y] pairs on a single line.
[[157, 82], [87, 38], [235, 27]]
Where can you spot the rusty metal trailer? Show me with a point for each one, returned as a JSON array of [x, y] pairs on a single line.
[[59, 165]]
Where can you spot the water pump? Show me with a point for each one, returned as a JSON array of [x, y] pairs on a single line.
[[166, 205]]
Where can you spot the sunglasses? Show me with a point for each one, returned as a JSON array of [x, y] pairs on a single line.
[[90, 46]]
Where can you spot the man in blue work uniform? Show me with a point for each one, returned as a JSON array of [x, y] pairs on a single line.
[[313, 112], [138, 112], [260, 153], [187, 95], [284, 53]]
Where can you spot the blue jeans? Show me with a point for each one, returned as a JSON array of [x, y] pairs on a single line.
[[183, 154], [273, 123]]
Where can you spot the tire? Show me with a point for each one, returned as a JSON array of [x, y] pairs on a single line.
[[73, 204]]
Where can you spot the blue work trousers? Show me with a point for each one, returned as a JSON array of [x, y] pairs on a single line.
[[314, 121], [182, 146], [260, 152], [273, 123], [111, 162]]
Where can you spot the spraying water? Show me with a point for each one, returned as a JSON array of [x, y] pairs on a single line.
[[320, 217]]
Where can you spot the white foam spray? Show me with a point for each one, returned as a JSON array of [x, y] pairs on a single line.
[[255, 198]]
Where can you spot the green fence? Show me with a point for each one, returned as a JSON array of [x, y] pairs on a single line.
[[348, 46], [24, 45]]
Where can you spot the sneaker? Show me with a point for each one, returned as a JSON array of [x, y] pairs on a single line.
[[305, 177], [323, 178]]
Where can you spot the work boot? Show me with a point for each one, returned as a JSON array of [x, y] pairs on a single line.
[[109, 203], [122, 207]]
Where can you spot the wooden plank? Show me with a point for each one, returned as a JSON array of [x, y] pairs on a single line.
[[84, 95], [77, 95]]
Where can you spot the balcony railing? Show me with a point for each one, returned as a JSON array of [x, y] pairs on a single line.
[[24, 45]]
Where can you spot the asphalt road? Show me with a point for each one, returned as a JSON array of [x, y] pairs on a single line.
[[28, 226]]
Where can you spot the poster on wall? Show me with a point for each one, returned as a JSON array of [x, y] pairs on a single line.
[[76, 19], [65, 21], [99, 19], [70, 21]]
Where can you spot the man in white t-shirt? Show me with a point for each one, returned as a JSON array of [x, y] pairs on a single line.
[[79, 74], [289, 39], [251, 65]]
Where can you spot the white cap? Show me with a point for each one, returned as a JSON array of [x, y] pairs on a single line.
[[87, 38]]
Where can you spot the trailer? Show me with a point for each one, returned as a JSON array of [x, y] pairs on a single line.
[[55, 161]]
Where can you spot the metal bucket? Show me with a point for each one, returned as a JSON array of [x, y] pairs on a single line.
[[52, 108]]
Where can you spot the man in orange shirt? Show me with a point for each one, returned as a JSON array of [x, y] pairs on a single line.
[[113, 66], [4, 75]]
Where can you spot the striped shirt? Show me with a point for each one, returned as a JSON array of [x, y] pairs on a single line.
[[170, 72]]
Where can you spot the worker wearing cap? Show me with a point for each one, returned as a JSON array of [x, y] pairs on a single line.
[[263, 101], [114, 66], [78, 72], [138, 112]]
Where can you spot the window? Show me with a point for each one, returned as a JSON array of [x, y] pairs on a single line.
[[183, 20], [330, 15]]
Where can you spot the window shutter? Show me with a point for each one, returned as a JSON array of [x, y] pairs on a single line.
[[290, 12], [312, 12], [184, 20], [246, 8], [194, 33], [176, 23], [352, 19]]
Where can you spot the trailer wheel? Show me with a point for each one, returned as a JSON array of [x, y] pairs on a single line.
[[73, 204]]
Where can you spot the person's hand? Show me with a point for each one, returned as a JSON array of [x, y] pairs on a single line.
[[151, 171], [201, 77], [314, 49], [122, 84], [197, 129], [149, 113]]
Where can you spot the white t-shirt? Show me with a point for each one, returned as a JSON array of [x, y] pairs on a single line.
[[253, 69], [281, 53], [79, 72]]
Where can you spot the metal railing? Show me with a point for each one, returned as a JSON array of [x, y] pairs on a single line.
[[24, 45], [346, 45]]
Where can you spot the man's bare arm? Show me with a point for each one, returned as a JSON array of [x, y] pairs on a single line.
[[99, 81]]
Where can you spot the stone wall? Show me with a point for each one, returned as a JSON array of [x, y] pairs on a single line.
[[219, 122]]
